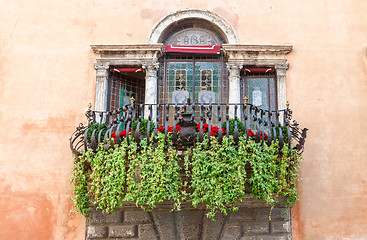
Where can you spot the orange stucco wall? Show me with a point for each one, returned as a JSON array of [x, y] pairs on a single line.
[[47, 79]]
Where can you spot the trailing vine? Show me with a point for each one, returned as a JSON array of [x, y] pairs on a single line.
[[273, 173], [108, 176], [153, 175], [216, 174], [80, 179]]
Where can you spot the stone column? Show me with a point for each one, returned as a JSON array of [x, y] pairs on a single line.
[[281, 70], [151, 87], [100, 103], [234, 86]]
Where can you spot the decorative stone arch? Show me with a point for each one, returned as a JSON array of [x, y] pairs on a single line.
[[218, 23]]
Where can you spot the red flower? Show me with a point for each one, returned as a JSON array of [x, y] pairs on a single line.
[[198, 127], [122, 133], [113, 135], [178, 127], [215, 128], [214, 131], [224, 131], [251, 134], [170, 129], [161, 129]]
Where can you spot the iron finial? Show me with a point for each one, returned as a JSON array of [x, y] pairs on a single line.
[[287, 104], [132, 100], [245, 99], [89, 106]]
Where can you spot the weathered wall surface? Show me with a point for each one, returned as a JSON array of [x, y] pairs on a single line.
[[47, 79]]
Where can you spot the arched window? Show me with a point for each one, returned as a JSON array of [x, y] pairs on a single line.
[[193, 65]]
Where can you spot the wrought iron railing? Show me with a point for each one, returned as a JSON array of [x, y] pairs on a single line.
[[264, 126]]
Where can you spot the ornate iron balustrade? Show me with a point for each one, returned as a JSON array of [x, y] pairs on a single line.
[[269, 126]]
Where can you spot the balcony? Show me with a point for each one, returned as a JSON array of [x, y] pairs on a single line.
[[211, 155]]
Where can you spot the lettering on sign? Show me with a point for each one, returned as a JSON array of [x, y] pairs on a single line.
[[193, 37]]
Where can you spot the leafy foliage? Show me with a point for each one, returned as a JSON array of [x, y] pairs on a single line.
[[143, 126], [80, 180], [215, 174], [153, 175], [231, 123], [108, 176], [99, 126]]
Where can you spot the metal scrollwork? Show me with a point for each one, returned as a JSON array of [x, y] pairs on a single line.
[[268, 127]]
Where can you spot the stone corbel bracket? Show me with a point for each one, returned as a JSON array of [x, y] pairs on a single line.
[[257, 55], [128, 54]]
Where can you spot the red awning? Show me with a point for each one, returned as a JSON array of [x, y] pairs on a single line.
[[127, 70], [259, 70], [211, 49]]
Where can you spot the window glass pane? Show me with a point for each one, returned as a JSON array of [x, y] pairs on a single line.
[[200, 78], [179, 81], [206, 78], [258, 92]]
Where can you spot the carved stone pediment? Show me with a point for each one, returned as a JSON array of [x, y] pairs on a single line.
[[128, 54], [258, 55]]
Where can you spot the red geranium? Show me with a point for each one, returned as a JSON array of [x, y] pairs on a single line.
[[252, 134], [161, 129], [113, 135], [169, 129]]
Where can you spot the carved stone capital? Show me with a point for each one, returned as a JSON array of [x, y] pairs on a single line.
[[234, 66], [281, 69], [152, 66], [151, 69], [234, 69], [101, 69], [101, 66]]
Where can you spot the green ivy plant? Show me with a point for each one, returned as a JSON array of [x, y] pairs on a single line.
[[216, 174], [153, 175], [143, 126], [108, 176], [80, 180]]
